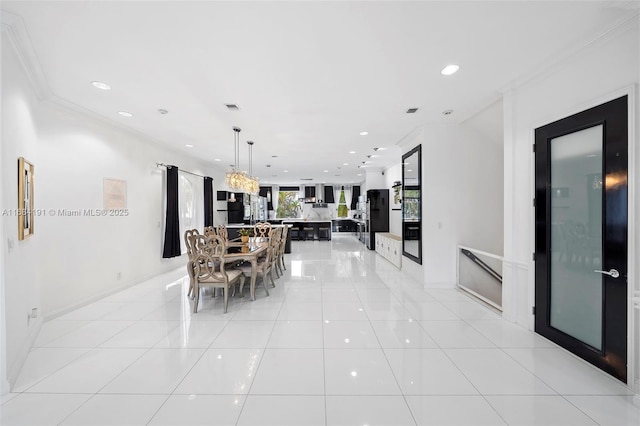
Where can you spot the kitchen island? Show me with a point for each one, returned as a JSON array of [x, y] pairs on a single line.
[[234, 232], [321, 228]]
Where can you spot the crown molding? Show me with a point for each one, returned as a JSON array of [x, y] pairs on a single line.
[[625, 24], [14, 30]]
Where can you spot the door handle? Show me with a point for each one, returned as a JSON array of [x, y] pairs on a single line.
[[613, 273]]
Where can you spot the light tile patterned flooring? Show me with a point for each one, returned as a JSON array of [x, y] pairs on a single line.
[[343, 339]]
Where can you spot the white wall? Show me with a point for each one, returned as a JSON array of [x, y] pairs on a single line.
[[461, 197], [598, 72], [70, 261], [392, 174], [374, 179], [4, 383]]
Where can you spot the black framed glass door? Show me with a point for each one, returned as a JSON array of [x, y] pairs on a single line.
[[581, 235]]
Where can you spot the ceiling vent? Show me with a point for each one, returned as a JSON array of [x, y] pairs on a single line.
[[232, 107], [412, 110], [306, 178]]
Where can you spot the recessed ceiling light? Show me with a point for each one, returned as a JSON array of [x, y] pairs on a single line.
[[409, 170], [447, 112], [274, 156], [286, 171], [232, 107], [345, 164], [364, 133], [101, 85], [412, 110], [352, 152], [163, 111], [125, 114], [449, 69], [189, 146], [217, 159], [326, 171], [359, 174], [379, 149]]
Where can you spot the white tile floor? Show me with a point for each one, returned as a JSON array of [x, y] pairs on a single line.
[[344, 339]]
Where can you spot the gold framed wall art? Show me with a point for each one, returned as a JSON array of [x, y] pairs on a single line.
[[25, 199]]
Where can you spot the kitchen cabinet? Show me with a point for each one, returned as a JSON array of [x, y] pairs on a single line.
[[343, 225]]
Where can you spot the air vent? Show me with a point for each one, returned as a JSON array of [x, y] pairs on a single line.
[[232, 107], [412, 110], [306, 178]]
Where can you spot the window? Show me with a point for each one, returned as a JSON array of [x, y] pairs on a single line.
[[190, 205], [288, 204]]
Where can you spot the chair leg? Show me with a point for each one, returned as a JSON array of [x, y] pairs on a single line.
[[283, 265], [264, 283], [271, 276], [191, 293], [226, 298], [277, 274], [242, 278], [196, 297]]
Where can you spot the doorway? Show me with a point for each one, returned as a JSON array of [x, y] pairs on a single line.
[[581, 221]]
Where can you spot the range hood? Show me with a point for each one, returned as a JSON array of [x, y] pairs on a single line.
[[320, 204]]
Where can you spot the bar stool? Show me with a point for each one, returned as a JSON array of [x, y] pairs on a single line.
[[295, 233], [323, 233], [307, 233]]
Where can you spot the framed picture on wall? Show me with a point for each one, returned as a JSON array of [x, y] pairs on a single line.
[[25, 198], [114, 192]]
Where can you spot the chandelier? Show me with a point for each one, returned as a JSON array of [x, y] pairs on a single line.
[[237, 179]]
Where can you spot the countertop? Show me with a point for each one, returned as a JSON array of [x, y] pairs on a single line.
[[240, 225], [305, 220]]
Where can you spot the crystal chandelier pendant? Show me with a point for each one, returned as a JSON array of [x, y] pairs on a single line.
[[236, 179]]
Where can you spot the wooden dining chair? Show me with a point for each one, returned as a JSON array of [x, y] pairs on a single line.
[[280, 257], [209, 231], [207, 269], [188, 242], [265, 264], [276, 236], [262, 230]]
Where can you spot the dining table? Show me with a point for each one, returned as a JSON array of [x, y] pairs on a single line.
[[249, 251]]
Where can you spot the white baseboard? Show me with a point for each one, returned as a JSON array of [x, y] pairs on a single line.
[[13, 370]]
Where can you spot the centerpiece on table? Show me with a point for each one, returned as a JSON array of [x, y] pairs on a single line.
[[244, 235]]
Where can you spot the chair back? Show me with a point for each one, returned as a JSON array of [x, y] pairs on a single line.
[[207, 263], [221, 231], [283, 240], [188, 234], [274, 244], [209, 231], [262, 230]]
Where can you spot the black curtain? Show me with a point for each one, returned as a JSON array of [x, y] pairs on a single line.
[[355, 193], [208, 201], [328, 194], [172, 226]]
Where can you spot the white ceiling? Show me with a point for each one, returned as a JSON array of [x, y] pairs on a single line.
[[308, 76]]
